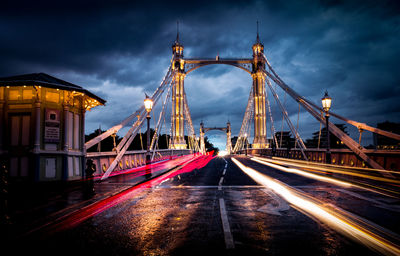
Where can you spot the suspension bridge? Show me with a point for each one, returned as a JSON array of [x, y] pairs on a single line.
[[264, 196], [258, 114]]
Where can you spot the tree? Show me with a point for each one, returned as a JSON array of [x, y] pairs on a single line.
[[383, 142], [209, 146], [138, 143], [105, 145], [234, 141], [334, 141], [287, 139]]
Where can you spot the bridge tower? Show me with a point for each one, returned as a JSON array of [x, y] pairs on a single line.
[[228, 138], [258, 75], [226, 129], [202, 145], [178, 65]]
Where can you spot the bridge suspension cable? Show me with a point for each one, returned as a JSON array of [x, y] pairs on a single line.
[[314, 110], [271, 119], [297, 125], [174, 77], [243, 133], [130, 135], [359, 125], [291, 127], [354, 146], [283, 119], [166, 80], [158, 126], [191, 132]]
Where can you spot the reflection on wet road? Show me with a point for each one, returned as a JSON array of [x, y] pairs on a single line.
[[239, 206], [348, 224]]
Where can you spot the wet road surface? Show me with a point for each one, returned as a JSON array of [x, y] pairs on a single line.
[[220, 210]]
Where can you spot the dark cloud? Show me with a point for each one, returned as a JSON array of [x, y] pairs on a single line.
[[350, 48]]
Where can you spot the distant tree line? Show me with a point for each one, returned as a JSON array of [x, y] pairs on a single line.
[[383, 142], [286, 140], [138, 143], [322, 138]]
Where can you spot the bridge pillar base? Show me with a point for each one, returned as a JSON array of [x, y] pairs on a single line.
[[178, 145], [260, 143]]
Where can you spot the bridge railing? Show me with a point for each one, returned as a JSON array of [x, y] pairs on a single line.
[[390, 160], [131, 159]]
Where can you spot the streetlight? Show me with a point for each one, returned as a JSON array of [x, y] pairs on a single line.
[[247, 145], [326, 105], [148, 105]]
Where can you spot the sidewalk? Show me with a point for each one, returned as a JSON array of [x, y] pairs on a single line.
[[33, 207]]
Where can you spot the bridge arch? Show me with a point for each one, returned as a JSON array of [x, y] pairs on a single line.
[[244, 64], [183, 66], [226, 129]]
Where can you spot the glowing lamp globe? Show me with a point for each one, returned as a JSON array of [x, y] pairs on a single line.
[[148, 104], [326, 102]]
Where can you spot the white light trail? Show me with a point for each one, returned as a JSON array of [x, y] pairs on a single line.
[[362, 185], [314, 208], [302, 173], [222, 153]]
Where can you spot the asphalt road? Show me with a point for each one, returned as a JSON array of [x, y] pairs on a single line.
[[221, 210]]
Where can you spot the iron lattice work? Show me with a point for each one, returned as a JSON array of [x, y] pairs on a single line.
[[257, 106], [193, 64], [315, 111], [246, 123], [192, 134]]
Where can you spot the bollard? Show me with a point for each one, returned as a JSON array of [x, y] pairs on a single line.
[[5, 218]]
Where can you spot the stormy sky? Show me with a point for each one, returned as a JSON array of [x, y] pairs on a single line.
[[121, 49]]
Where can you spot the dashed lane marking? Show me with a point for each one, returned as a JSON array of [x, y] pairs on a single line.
[[225, 225], [220, 183]]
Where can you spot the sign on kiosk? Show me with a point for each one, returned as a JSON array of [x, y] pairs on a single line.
[[52, 126]]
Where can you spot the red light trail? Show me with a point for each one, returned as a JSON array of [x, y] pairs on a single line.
[[187, 164]]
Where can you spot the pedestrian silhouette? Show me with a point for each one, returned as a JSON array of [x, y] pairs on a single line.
[[89, 182]]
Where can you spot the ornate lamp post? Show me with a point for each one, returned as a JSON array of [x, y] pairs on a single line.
[[326, 105], [148, 105], [247, 145]]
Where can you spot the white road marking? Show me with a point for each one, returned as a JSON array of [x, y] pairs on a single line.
[[220, 183], [223, 173], [225, 225]]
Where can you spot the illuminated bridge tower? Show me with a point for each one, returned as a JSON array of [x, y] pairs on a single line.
[[258, 75], [178, 139], [202, 145], [228, 138]]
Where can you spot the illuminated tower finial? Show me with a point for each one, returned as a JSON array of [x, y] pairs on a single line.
[[258, 37], [177, 31], [177, 48]]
